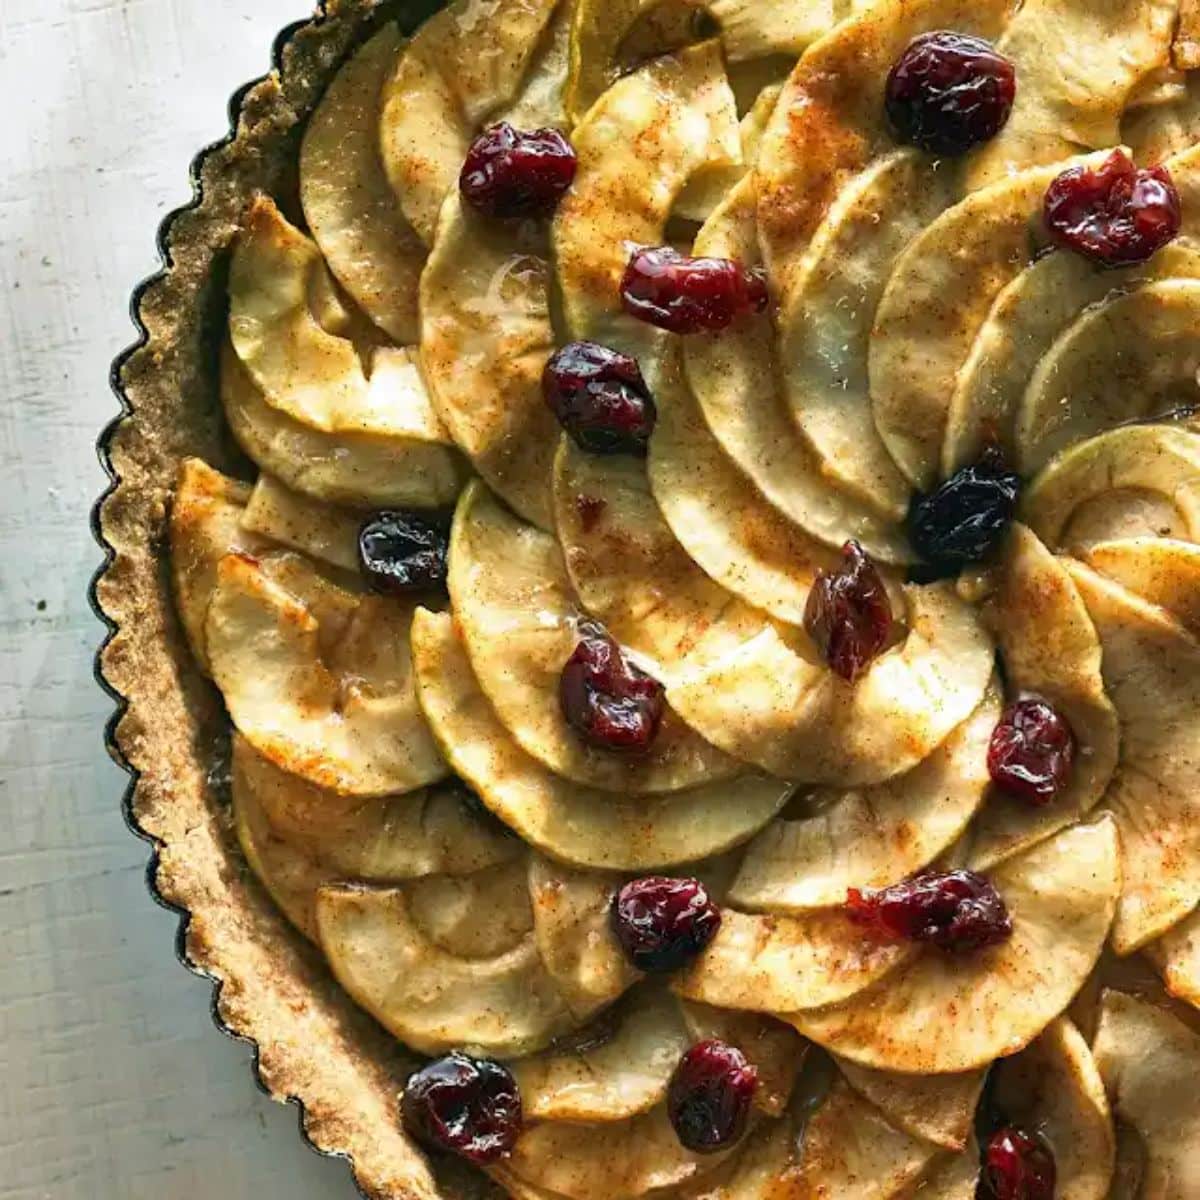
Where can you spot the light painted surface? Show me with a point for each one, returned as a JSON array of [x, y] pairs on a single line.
[[114, 1085]]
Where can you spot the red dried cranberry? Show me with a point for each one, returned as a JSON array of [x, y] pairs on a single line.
[[608, 701], [511, 173], [663, 924], [848, 614], [957, 911], [600, 398], [1032, 751], [1017, 1166], [470, 1106], [964, 520], [690, 295], [948, 92], [402, 552], [709, 1096], [1114, 214]]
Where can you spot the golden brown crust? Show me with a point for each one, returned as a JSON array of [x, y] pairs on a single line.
[[312, 1043]]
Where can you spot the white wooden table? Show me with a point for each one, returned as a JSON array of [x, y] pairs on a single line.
[[114, 1085]]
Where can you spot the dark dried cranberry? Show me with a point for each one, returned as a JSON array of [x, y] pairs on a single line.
[[848, 614], [600, 398], [1114, 214], [957, 911], [663, 924], [948, 92], [511, 173], [964, 520], [1017, 1166], [608, 701], [709, 1096], [470, 1106], [690, 295], [404, 551], [1032, 751]]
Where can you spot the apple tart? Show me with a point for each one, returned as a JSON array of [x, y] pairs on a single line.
[[706, 597]]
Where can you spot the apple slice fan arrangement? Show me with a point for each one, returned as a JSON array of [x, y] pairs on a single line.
[[710, 618]]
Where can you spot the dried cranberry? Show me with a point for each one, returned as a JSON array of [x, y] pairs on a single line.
[[948, 92], [1017, 1166], [1114, 214], [404, 551], [848, 614], [957, 911], [663, 924], [1032, 751], [709, 1096], [689, 295], [511, 173], [600, 398], [470, 1106], [964, 520], [608, 701]]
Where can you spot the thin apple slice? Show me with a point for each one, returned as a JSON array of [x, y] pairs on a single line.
[[1152, 673], [1050, 649], [577, 825], [935, 304], [288, 518], [753, 29], [825, 323], [446, 82], [638, 146], [766, 704], [1078, 64], [1176, 956], [571, 912], [1130, 357], [952, 1177], [432, 999], [1162, 571], [1156, 132], [873, 836], [349, 204], [935, 1108], [519, 621], [734, 376], [620, 1078], [1150, 1062], [335, 704], [417, 469], [1062, 895], [480, 915], [1140, 480]]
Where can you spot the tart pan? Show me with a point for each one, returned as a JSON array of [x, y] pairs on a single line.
[[312, 1045]]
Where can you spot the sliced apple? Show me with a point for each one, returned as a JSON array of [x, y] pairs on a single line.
[[753, 29], [1157, 132], [825, 323], [1018, 333], [734, 377], [1050, 649], [348, 203], [431, 999], [952, 1177], [1062, 895], [1053, 1086], [874, 836], [766, 704], [1162, 571], [577, 825], [445, 83], [206, 525], [336, 705], [1176, 956], [572, 913], [619, 1078], [935, 304], [935, 1108], [1130, 357], [1078, 64], [513, 601], [290, 519], [637, 148], [1140, 480], [1152, 673], [1150, 1062], [541, 102]]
